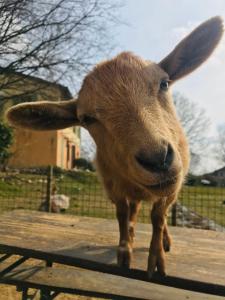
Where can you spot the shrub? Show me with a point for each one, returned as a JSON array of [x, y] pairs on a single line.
[[84, 164], [193, 180], [6, 138]]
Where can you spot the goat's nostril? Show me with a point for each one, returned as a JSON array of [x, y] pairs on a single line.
[[169, 156], [156, 162]]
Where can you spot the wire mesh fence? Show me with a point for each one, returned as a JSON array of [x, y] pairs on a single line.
[[197, 206]]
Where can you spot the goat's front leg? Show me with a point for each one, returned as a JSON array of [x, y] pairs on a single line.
[[124, 253], [134, 209], [156, 251], [167, 241]]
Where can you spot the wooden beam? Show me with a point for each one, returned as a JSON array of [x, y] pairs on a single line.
[[95, 284]]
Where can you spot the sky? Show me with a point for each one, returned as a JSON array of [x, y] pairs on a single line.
[[152, 30]]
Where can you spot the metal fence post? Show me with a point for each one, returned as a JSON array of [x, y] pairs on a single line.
[[49, 188], [174, 215]]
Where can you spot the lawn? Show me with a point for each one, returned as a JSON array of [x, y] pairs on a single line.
[[206, 201], [87, 198]]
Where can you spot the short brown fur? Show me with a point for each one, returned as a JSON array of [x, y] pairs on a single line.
[[142, 152]]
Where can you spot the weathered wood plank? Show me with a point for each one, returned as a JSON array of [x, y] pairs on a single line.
[[95, 284], [196, 254]]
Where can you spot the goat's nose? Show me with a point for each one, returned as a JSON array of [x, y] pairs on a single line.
[[157, 161]]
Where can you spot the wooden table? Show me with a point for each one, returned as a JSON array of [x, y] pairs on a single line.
[[195, 265]]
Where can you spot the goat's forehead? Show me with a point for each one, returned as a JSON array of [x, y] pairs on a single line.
[[124, 67], [125, 60], [119, 78]]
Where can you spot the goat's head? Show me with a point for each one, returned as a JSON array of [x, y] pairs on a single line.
[[125, 104]]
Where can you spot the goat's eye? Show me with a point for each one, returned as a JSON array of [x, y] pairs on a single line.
[[164, 85], [87, 120]]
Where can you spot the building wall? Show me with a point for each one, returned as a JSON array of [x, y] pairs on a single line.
[[34, 148], [25, 89], [44, 148], [68, 148]]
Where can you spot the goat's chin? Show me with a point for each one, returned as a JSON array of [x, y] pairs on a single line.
[[165, 188], [163, 191], [162, 186]]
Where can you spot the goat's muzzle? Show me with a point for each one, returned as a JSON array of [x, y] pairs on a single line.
[[158, 161]]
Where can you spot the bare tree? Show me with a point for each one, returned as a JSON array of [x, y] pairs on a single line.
[[220, 144], [196, 125], [56, 40]]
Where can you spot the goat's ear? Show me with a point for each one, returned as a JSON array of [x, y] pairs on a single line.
[[43, 115], [193, 50]]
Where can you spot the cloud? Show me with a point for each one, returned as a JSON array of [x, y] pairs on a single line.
[[180, 32]]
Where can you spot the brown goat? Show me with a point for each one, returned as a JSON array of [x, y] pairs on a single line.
[[142, 152]]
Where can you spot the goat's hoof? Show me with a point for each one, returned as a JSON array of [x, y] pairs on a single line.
[[151, 273], [166, 243], [152, 262], [156, 261], [124, 256]]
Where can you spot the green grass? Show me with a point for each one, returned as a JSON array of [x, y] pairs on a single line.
[[87, 198], [206, 201], [21, 191]]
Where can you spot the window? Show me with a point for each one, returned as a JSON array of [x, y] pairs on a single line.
[[68, 151]]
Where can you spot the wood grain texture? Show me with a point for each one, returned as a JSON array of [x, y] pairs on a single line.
[[95, 284], [196, 254]]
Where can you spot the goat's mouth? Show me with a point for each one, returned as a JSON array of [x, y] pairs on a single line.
[[163, 184]]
